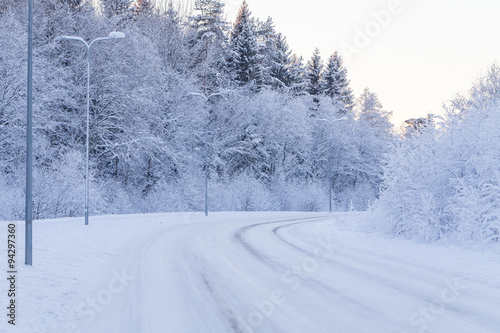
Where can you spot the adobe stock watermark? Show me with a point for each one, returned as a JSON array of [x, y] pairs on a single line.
[[292, 280], [87, 310], [364, 36], [232, 5], [425, 316]]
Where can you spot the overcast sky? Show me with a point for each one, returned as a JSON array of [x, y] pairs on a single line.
[[415, 59]]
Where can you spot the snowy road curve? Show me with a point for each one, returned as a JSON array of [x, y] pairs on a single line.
[[280, 275]]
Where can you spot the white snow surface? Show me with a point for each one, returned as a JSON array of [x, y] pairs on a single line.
[[245, 272]]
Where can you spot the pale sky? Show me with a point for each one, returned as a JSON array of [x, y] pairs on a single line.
[[423, 54]]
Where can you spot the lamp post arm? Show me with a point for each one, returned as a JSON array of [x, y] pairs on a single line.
[[213, 95], [97, 39], [198, 94], [63, 37]]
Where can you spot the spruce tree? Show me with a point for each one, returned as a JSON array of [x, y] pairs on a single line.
[[243, 18], [280, 63], [207, 41], [245, 57], [336, 85], [209, 23], [266, 40], [296, 79], [314, 74]]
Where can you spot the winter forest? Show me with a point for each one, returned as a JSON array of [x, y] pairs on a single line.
[[278, 131]]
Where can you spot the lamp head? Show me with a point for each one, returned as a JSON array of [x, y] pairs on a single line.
[[116, 34]]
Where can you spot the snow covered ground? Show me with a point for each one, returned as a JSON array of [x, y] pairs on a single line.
[[245, 272]]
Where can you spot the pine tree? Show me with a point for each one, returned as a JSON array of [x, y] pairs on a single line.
[[336, 85], [314, 74]]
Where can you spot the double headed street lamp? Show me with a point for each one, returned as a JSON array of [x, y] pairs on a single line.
[[206, 99], [112, 35], [330, 167]]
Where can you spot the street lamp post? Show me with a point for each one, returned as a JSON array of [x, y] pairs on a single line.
[[206, 99], [330, 166], [112, 35], [28, 255]]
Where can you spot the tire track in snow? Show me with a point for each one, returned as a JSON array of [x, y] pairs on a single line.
[[317, 286], [393, 284]]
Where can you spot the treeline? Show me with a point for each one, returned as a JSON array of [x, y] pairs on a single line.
[[443, 180], [281, 131]]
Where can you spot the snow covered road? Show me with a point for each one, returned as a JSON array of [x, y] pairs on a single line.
[[261, 272]]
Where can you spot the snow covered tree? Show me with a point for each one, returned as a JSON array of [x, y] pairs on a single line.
[[336, 85], [297, 80], [443, 180], [166, 33], [416, 186], [280, 63], [208, 21], [207, 42], [266, 40], [245, 56], [243, 18], [12, 90], [374, 139], [116, 7], [315, 75], [247, 60], [73, 3], [5, 5], [370, 110], [415, 126], [142, 7]]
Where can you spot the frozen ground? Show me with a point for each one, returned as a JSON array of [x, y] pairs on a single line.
[[245, 272]]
